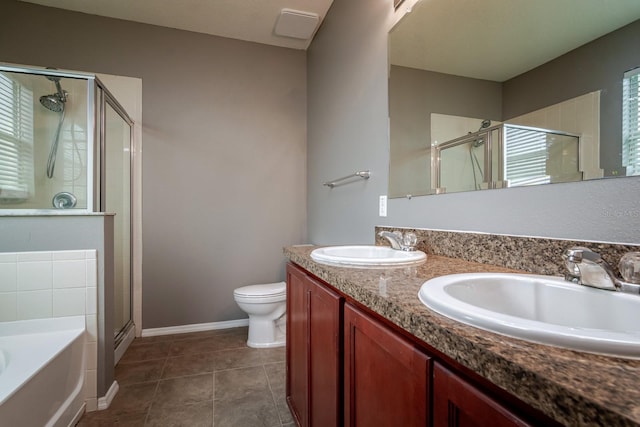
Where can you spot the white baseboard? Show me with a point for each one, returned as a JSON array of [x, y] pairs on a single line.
[[198, 327], [105, 401]]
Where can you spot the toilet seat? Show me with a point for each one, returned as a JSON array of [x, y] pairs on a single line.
[[262, 292]]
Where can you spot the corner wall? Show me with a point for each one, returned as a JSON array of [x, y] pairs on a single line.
[[348, 130]]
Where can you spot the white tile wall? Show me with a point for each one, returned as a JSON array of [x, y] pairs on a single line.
[[8, 306], [34, 276], [40, 285], [34, 304], [9, 276]]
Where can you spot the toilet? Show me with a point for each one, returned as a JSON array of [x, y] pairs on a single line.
[[266, 306]]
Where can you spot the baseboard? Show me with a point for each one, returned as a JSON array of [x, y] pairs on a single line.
[[198, 327], [105, 401]]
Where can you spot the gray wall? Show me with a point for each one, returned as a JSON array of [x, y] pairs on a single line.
[[347, 130], [224, 150], [65, 232], [596, 65]]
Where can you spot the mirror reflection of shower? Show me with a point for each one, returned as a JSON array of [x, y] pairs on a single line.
[[478, 142], [55, 102]]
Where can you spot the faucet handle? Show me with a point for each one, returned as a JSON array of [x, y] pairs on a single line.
[[629, 267], [409, 240]]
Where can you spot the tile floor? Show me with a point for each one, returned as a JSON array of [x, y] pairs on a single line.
[[200, 379]]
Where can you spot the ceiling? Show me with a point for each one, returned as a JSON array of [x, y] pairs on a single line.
[[500, 39], [250, 20], [488, 39]]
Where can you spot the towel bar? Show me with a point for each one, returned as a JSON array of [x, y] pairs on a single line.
[[359, 174]]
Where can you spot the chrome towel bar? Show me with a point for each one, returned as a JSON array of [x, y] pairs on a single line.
[[360, 174]]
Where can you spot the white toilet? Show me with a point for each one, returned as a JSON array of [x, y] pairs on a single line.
[[266, 307]]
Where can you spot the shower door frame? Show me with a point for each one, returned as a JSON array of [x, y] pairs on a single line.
[[105, 97]]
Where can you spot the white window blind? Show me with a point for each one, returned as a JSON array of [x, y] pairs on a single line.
[[631, 121], [525, 157], [16, 140]]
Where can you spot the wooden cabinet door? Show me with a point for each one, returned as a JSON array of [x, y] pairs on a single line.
[[386, 377], [458, 403], [297, 352], [314, 338], [325, 338]]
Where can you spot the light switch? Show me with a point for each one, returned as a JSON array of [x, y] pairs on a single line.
[[383, 206]]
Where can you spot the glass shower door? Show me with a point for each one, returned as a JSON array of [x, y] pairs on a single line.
[[117, 199]]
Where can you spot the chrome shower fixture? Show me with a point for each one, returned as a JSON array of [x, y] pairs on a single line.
[[56, 103], [52, 102], [480, 141]]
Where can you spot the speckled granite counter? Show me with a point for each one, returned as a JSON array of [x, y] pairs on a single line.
[[577, 389]]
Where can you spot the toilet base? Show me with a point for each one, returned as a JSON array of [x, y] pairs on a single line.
[[267, 333], [281, 343]]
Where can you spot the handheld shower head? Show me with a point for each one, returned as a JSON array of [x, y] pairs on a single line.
[[485, 124], [62, 95], [56, 101], [53, 102], [479, 141]]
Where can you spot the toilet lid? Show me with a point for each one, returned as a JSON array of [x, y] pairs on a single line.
[[268, 289]]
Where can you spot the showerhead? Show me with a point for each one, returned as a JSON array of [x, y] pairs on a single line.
[[479, 141], [53, 102]]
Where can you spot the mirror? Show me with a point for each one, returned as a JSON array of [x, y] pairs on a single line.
[[456, 66]]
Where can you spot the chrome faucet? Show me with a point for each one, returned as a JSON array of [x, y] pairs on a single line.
[[399, 241], [588, 268]]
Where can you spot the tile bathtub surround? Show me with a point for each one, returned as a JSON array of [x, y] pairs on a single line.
[[572, 387], [39, 285], [199, 379], [49, 284], [532, 254]]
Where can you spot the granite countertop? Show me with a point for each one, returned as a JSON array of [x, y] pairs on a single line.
[[574, 388]]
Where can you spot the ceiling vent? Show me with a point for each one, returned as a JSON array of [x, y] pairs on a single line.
[[296, 24]]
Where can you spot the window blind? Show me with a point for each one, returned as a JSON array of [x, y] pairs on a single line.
[[16, 140], [631, 121], [525, 157]]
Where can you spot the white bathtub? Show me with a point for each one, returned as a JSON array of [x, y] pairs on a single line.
[[41, 372]]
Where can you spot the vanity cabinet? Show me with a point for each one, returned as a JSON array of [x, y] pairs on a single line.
[[457, 403], [346, 366], [386, 378], [314, 349]]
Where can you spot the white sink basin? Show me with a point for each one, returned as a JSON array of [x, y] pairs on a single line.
[[542, 309], [366, 256]]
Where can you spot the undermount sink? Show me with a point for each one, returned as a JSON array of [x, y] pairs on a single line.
[[543, 309], [366, 256]]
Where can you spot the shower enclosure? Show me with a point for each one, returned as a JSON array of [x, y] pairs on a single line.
[[506, 155], [66, 148]]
